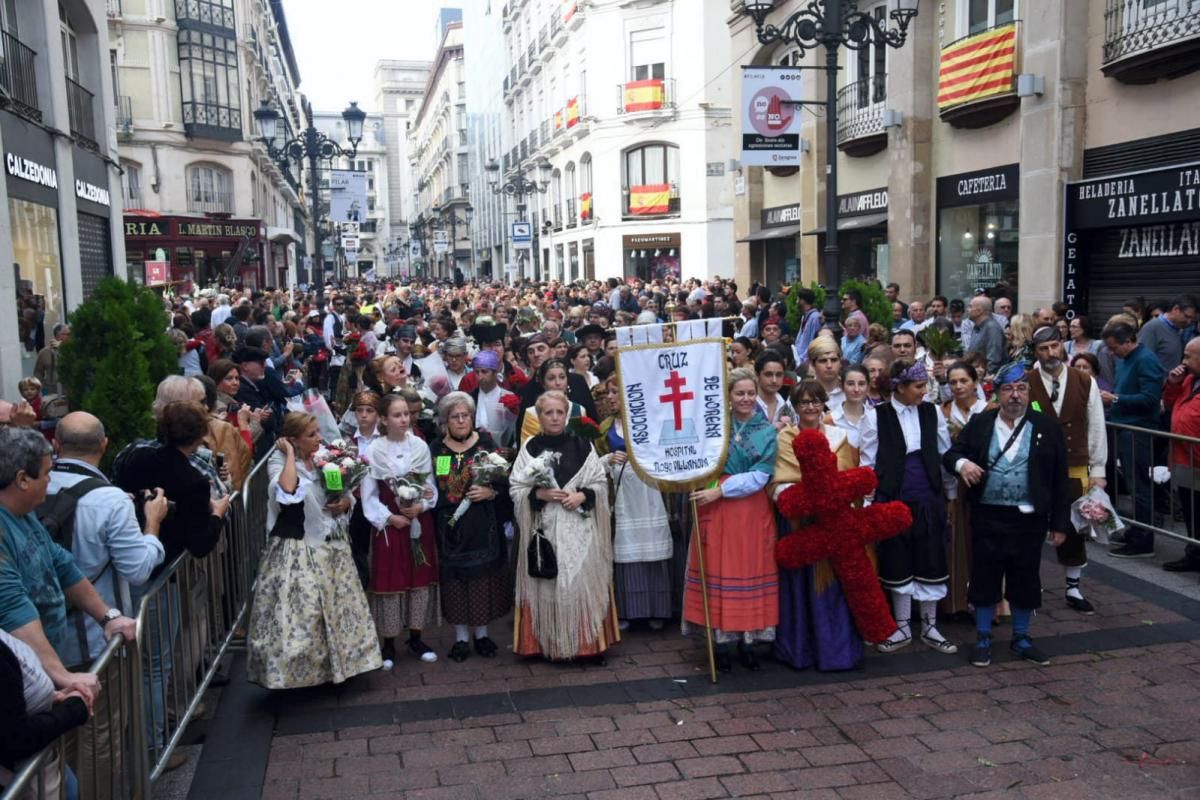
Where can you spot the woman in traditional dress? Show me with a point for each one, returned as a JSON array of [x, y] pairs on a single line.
[[571, 615], [310, 623], [904, 443], [815, 626], [642, 545], [475, 584], [404, 564], [964, 403], [849, 414], [736, 525], [552, 377], [366, 419]]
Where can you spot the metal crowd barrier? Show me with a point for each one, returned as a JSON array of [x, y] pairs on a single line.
[[1147, 490], [187, 619]]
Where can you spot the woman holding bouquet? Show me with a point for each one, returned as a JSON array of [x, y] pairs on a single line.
[[560, 496], [310, 623], [475, 583], [737, 528], [398, 495]]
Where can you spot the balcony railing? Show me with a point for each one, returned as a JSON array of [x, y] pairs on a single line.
[[210, 202], [18, 77], [547, 131], [80, 115], [533, 141], [860, 116], [637, 97], [124, 115], [1149, 39]]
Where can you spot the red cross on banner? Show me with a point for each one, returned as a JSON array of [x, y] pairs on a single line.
[[676, 397]]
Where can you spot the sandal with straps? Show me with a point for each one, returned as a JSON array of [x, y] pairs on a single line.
[[890, 645]]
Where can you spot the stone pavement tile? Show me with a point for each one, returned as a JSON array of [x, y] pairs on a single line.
[[740, 725], [670, 751], [715, 765], [561, 744], [403, 779], [952, 740], [764, 762], [829, 735], [834, 755], [888, 790], [467, 737], [1062, 790], [347, 786], [758, 783], [579, 782], [351, 765], [661, 772], [800, 719], [632, 738], [538, 765], [602, 759], [1011, 730], [858, 732], [443, 793], [525, 730], [682, 731], [899, 747], [1061, 745], [483, 774], [281, 790], [785, 740], [856, 713], [822, 777], [571, 727], [726, 745], [446, 756], [699, 789], [500, 751], [902, 726], [627, 793]]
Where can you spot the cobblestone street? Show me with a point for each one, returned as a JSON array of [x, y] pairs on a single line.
[[1113, 716]]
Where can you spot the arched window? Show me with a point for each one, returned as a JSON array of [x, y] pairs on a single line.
[[209, 189], [585, 188], [572, 197], [651, 180]]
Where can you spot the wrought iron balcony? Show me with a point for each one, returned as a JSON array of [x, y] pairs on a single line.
[[80, 115], [18, 77], [124, 115], [860, 116], [649, 98], [1145, 40], [207, 202]]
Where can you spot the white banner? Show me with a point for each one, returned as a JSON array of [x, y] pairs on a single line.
[[770, 124], [441, 242], [675, 411], [347, 195]]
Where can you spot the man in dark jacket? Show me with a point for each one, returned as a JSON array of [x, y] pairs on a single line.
[[1014, 460], [252, 366]]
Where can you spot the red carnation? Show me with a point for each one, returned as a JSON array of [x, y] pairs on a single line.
[[518, 379], [584, 427], [511, 403]]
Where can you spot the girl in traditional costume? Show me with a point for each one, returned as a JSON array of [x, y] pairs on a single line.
[[310, 623], [736, 525]]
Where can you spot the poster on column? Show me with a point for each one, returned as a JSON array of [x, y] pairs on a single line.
[[675, 410], [770, 119], [347, 195]]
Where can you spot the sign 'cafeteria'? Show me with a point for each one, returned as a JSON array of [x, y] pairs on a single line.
[[675, 411]]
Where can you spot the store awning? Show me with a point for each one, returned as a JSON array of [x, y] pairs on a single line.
[[283, 234], [854, 223], [784, 232]]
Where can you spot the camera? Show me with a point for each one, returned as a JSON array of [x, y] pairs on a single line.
[[139, 509]]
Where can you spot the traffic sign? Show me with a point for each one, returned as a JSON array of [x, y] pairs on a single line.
[[522, 235]]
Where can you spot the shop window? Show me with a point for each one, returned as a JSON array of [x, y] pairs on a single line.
[[37, 267], [651, 181], [208, 76], [209, 190], [977, 248], [984, 14]]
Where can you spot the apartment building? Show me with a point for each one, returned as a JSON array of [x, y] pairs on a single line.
[[624, 110], [200, 190], [438, 160], [62, 187], [375, 229], [399, 87], [1052, 146]]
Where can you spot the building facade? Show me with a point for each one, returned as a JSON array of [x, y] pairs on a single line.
[[200, 190], [399, 87], [438, 159], [1048, 146], [62, 187], [486, 137], [375, 229]]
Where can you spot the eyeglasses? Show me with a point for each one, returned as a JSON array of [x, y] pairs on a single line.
[[810, 404]]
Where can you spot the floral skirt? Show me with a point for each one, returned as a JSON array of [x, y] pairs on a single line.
[[310, 623]]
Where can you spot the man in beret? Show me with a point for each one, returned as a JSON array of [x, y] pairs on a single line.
[[403, 338], [454, 356], [490, 413], [1072, 399], [252, 367], [1014, 461]]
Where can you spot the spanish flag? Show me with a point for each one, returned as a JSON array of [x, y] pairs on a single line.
[[978, 66], [585, 206], [654, 198], [558, 120], [572, 112], [644, 95]]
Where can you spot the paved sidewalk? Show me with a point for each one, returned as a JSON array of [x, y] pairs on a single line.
[[1113, 716]]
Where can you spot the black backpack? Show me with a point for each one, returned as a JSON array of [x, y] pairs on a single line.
[[57, 511]]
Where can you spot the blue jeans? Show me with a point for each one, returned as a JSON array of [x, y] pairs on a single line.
[[1136, 453], [161, 630]]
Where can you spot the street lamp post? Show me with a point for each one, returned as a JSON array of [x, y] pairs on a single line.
[[519, 187], [832, 24], [448, 215], [313, 145]]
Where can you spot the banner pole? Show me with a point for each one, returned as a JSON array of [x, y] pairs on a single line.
[[698, 543]]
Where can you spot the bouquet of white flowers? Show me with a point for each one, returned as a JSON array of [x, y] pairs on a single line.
[[340, 467], [540, 472], [484, 468], [1094, 515], [408, 490]]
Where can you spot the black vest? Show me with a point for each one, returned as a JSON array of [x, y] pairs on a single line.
[[889, 459]]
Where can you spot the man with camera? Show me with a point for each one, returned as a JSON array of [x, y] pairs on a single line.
[[100, 525]]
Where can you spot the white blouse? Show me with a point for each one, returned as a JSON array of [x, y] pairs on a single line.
[[392, 459]]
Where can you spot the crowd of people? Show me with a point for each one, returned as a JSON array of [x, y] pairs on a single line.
[[479, 430]]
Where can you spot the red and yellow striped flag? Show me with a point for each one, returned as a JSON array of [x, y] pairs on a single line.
[[644, 95], [558, 120], [572, 112], [585, 206], [977, 67], [654, 198]]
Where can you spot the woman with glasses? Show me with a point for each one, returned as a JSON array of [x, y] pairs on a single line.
[[815, 626]]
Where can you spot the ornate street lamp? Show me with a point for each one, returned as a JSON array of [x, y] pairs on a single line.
[[519, 186], [313, 145], [832, 24]]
